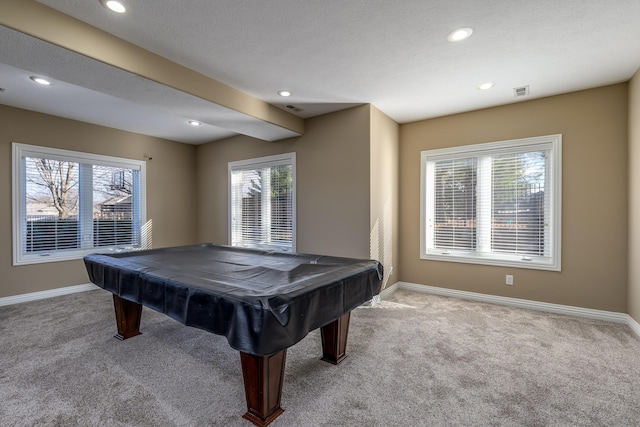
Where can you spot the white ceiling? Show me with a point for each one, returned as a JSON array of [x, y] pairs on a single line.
[[333, 54]]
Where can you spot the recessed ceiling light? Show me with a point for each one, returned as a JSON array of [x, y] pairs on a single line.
[[194, 123], [284, 93], [460, 34], [114, 6], [40, 80], [485, 86]]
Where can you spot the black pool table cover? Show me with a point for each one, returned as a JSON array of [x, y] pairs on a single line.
[[262, 301]]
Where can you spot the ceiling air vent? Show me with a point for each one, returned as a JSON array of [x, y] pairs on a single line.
[[520, 91], [294, 108]]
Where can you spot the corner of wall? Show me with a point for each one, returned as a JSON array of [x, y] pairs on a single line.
[[384, 189], [633, 296]]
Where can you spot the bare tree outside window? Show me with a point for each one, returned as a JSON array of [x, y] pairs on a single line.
[[53, 199], [54, 184], [69, 203]]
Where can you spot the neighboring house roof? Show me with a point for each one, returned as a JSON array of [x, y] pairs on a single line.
[[122, 202]]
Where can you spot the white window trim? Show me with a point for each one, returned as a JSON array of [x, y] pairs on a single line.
[[554, 171], [261, 162], [19, 151]]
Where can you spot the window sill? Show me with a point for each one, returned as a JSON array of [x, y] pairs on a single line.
[[535, 263], [72, 255]]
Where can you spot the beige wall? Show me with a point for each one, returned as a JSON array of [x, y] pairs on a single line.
[[171, 192], [634, 197], [383, 223], [593, 124], [332, 162], [356, 168]]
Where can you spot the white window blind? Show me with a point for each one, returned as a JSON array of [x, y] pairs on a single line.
[[262, 203], [496, 203], [455, 208], [68, 204]]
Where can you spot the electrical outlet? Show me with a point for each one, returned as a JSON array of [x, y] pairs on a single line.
[[509, 280]]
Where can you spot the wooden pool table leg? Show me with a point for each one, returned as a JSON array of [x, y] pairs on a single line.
[[263, 377], [127, 317], [334, 339]]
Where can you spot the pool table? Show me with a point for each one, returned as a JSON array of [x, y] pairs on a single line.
[[263, 302]]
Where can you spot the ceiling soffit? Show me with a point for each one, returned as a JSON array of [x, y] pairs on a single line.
[[83, 56]]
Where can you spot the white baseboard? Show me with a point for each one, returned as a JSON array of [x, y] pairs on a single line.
[[387, 292], [610, 316], [635, 326], [33, 296]]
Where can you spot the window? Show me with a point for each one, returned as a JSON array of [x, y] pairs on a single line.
[[262, 201], [497, 203], [67, 204]]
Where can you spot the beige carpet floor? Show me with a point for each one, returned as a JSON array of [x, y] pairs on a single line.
[[414, 360]]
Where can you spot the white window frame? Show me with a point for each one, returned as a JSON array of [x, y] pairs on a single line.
[[258, 163], [553, 143], [19, 190]]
